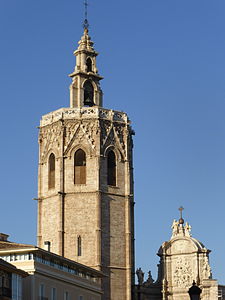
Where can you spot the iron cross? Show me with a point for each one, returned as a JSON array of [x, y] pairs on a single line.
[[86, 24]]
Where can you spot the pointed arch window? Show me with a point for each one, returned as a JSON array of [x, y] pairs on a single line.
[[79, 246], [80, 167], [51, 171], [111, 168], [88, 93], [89, 64]]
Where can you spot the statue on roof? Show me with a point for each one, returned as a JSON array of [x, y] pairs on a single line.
[[187, 229], [140, 275], [174, 228]]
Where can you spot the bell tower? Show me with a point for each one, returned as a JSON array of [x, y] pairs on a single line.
[[85, 89], [85, 191]]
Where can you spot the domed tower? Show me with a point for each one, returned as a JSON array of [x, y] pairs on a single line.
[[183, 260], [85, 193]]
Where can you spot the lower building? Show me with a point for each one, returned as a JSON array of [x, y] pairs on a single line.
[[221, 292], [10, 280], [51, 277]]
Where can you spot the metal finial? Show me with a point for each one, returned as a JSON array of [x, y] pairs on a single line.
[[181, 211], [85, 23], [181, 221]]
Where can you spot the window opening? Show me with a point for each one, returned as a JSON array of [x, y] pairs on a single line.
[[66, 295], [80, 167], [111, 165], [41, 291], [79, 246], [89, 64], [88, 93], [53, 293], [51, 171]]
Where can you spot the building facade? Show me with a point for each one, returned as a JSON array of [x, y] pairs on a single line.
[[10, 278], [48, 276], [183, 260], [85, 194]]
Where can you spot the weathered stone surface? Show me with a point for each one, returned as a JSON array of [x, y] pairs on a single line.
[[100, 214], [183, 259]]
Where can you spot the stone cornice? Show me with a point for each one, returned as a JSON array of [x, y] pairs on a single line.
[[87, 75], [84, 113]]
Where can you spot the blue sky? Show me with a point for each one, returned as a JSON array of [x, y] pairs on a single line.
[[163, 63]]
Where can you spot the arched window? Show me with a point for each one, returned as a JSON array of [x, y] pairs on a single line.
[[88, 93], [80, 167], [89, 64], [51, 171], [111, 168], [79, 246]]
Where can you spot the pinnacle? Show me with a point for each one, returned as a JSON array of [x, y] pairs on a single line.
[[85, 42]]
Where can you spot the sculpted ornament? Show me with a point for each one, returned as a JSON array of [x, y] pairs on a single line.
[[105, 130], [206, 274], [113, 134], [79, 132], [50, 138], [140, 275], [150, 280], [187, 229], [174, 228], [120, 131], [71, 129], [183, 274]]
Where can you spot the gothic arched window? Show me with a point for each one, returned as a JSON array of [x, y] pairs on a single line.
[[89, 64], [88, 93], [79, 252], [111, 168], [80, 167], [51, 171]]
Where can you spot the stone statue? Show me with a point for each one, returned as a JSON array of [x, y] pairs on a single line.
[[150, 279], [206, 270], [140, 275], [174, 228], [187, 229]]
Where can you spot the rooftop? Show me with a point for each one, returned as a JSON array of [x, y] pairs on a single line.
[[4, 265], [11, 251]]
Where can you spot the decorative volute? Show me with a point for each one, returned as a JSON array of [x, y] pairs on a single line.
[[85, 88]]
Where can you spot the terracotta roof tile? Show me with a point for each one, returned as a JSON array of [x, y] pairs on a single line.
[[11, 245]]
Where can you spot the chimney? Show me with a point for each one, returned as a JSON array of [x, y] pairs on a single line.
[[47, 246], [4, 237]]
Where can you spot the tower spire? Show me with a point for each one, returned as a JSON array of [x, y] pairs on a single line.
[[85, 88], [86, 23]]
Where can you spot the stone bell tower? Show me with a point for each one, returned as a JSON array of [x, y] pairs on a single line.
[[85, 194]]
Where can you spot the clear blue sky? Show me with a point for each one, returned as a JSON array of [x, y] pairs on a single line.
[[163, 63]]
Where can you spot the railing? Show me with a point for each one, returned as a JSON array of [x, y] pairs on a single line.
[[221, 295], [84, 113]]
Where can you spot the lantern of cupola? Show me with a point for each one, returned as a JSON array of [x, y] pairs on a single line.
[[85, 88]]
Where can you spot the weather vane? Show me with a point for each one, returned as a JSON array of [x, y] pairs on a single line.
[[85, 23]]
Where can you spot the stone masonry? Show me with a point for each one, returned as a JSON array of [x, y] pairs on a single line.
[[100, 214]]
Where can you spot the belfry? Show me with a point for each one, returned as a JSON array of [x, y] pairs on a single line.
[[85, 193]]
